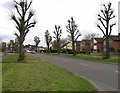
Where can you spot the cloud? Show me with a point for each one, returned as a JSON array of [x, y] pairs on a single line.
[[51, 12], [6, 4]]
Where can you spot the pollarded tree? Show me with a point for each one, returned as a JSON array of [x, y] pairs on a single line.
[[105, 16], [4, 46], [74, 33], [11, 45], [54, 44], [37, 41], [48, 39], [58, 32], [24, 22]]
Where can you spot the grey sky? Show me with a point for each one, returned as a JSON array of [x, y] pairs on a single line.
[[51, 12]]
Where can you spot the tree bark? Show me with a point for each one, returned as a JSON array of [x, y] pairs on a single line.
[[58, 48], [21, 52], [73, 46], [21, 46], [107, 54], [48, 48]]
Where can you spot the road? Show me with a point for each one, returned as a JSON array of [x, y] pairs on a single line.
[[103, 76]]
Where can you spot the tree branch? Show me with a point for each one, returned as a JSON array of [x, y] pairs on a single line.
[[102, 23], [18, 11], [77, 37], [101, 17], [112, 17], [103, 14], [111, 28], [29, 5], [17, 36], [16, 21], [101, 29], [76, 33]]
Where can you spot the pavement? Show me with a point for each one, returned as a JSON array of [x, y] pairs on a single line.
[[103, 76]]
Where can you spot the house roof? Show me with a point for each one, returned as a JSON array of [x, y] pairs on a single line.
[[85, 40], [99, 39], [65, 44], [115, 37], [77, 41]]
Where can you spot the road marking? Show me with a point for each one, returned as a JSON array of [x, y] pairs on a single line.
[[116, 71], [83, 64]]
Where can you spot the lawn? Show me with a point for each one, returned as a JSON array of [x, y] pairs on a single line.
[[94, 58], [37, 75]]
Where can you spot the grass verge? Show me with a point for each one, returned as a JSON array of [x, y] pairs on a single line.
[[113, 59], [94, 58], [37, 75]]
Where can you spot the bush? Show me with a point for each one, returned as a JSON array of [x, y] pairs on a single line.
[[83, 51], [54, 51]]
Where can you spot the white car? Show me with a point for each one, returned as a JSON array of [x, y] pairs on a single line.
[[28, 51]]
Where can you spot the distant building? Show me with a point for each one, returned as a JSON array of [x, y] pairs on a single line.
[[114, 42], [97, 45], [77, 46], [67, 45], [29, 47], [85, 45]]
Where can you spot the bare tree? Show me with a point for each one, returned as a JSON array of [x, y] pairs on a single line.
[[63, 41], [37, 41], [24, 22], [105, 16], [4, 46], [58, 32], [48, 39], [74, 33], [55, 44], [12, 45]]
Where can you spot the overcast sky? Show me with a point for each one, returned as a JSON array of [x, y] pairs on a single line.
[[51, 12]]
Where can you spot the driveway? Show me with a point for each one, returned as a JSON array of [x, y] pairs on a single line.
[[103, 76]]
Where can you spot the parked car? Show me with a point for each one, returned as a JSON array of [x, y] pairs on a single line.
[[28, 51], [33, 52]]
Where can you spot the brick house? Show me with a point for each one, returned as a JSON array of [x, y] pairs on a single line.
[[97, 45], [85, 45], [114, 41], [29, 47], [67, 45], [77, 46]]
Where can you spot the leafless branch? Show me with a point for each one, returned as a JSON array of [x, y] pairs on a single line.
[[100, 29]]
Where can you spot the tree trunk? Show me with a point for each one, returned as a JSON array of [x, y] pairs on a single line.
[[21, 48], [58, 48], [73, 48], [36, 48], [48, 48], [21, 52], [107, 54]]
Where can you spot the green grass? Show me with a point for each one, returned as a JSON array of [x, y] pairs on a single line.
[[93, 58], [37, 75]]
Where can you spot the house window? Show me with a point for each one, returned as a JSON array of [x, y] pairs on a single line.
[[110, 42], [104, 43], [95, 43]]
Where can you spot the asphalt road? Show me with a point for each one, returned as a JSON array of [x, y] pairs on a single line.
[[103, 76]]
